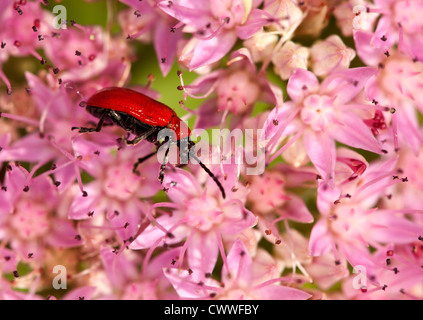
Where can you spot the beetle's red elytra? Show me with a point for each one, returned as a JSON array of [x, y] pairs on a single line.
[[145, 118]]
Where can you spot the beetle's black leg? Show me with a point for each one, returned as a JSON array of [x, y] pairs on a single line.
[[142, 137], [141, 160], [163, 166], [97, 128]]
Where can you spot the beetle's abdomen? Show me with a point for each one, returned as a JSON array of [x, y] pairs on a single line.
[[127, 122], [133, 103]]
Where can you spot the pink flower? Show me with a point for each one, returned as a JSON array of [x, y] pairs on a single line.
[[289, 58], [23, 23], [321, 114], [216, 26], [144, 18], [352, 221], [239, 281], [29, 224], [330, 55], [233, 90], [116, 191], [200, 217]]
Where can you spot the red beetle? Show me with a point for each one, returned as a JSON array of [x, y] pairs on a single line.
[[145, 118]]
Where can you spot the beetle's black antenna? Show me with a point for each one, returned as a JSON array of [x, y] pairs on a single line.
[[210, 174]]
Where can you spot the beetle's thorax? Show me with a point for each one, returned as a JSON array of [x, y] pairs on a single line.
[[179, 127]]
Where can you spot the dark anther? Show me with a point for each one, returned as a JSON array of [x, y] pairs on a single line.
[[84, 193], [395, 177], [3, 44], [374, 101], [56, 70], [4, 188], [384, 287], [40, 37], [388, 261], [91, 213], [337, 262], [170, 235], [30, 255], [43, 61], [190, 272], [227, 20], [420, 238], [381, 66], [173, 262], [172, 29], [97, 153], [77, 53], [208, 275], [395, 270], [384, 151], [16, 274], [73, 22], [163, 60], [34, 28], [404, 179], [392, 110], [212, 295], [275, 122], [28, 90], [81, 298], [126, 225], [383, 38], [57, 183], [180, 87], [26, 189], [278, 241], [82, 104], [387, 53], [78, 237]]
